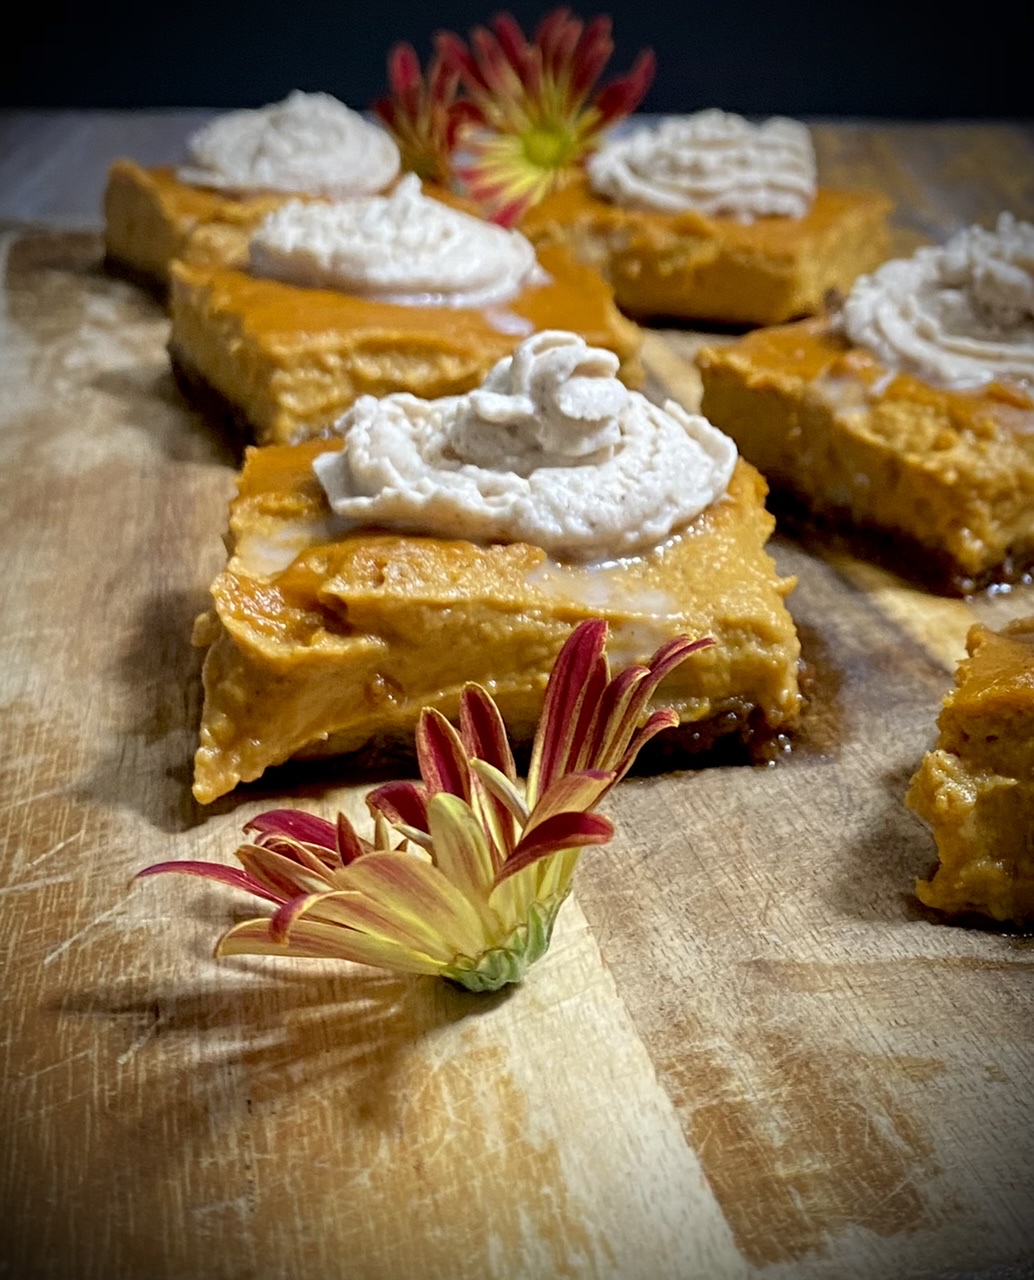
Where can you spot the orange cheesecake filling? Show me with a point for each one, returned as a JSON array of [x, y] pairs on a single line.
[[976, 788], [695, 267], [291, 360]]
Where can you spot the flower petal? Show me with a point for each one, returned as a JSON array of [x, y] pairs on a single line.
[[577, 663], [404, 75], [665, 718], [484, 736], [513, 43], [324, 942], [401, 802], [621, 97], [457, 58], [349, 845], [483, 731], [607, 736], [283, 877], [422, 896], [346, 909], [663, 662], [557, 37], [212, 871], [295, 824], [421, 112], [440, 755], [500, 77], [561, 831], [572, 793], [624, 702], [462, 853], [592, 55], [421, 839], [505, 791]]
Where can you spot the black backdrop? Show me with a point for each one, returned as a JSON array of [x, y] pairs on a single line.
[[882, 58]]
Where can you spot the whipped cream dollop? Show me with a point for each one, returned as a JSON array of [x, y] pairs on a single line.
[[404, 247], [714, 162], [309, 143], [956, 315], [552, 450]]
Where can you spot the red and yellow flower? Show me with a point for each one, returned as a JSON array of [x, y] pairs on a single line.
[[536, 112], [467, 870], [524, 114]]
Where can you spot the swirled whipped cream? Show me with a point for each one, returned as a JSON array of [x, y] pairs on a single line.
[[714, 162], [956, 315], [403, 247], [310, 143], [552, 449]]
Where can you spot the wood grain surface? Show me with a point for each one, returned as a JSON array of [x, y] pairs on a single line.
[[749, 1052]]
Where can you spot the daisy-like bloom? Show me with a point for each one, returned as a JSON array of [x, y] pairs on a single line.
[[422, 113], [466, 870], [536, 113]]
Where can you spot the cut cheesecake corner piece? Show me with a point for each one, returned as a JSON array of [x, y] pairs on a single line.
[[151, 220], [938, 485], [324, 642], [287, 361], [975, 788]]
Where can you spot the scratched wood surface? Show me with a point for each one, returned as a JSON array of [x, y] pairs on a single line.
[[749, 1053]]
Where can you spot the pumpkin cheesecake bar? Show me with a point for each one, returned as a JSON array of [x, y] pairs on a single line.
[[939, 480], [975, 789], [687, 266], [328, 634], [926, 452], [390, 293], [711, 219]]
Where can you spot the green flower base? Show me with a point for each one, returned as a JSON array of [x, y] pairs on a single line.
[[500, 966]]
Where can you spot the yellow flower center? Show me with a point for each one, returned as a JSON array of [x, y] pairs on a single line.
[[548, 148]]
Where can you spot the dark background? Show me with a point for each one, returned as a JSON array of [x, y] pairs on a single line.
[[879, 59]]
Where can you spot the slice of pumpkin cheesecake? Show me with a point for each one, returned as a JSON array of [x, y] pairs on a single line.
[[433, 543]]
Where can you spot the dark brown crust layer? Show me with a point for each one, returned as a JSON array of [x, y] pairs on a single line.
[[736, 734], [732, 737], [157, 287], [230, 421]]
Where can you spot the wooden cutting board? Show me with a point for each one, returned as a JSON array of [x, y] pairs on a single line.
[[749, 1051]]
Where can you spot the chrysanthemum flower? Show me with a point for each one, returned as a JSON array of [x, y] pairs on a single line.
[[422, 113], [466, 870], [536, 113]]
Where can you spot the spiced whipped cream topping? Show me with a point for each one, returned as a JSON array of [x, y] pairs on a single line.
[[552, 449], [713, 162], [956, 315], [403, 247], [308, 143]]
